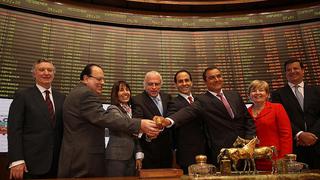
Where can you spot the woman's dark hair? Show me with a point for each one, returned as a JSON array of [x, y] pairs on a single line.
[[115, 90]]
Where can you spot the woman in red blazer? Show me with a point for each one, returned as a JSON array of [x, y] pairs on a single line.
[[272, 123]]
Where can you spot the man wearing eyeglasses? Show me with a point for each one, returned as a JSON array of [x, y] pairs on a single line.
[[85, 120], [153, 102]]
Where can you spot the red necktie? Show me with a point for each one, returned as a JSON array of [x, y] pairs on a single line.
[[50, 107], [190, 99], [226, 104]]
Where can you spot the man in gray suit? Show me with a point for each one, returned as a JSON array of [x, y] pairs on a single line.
[[34, 134], [85, 120]]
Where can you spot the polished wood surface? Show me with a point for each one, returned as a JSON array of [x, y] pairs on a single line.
[[298, 176], [197, 2]]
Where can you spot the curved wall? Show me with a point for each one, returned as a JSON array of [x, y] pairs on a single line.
[[32, 29]]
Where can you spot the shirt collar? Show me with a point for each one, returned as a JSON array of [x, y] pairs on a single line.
[[215, 94], [42, 89], [157, 98], [292, 85], [185, 96]]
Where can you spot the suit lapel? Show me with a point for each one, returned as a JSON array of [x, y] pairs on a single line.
[[150, 104], [38, 99], [57, 104], [231, 102], [219, 105], [183, 101], [307, 98], [292, 98], [266, 110], [164, 102]]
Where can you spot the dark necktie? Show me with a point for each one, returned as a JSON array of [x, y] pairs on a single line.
[[50, 107], [190, 99], [226, 104], [298, 95]]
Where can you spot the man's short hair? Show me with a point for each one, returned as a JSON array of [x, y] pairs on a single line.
[[204, 74], [182, 70], [149, 74], [41, 61], [290, 61], [88, 70]]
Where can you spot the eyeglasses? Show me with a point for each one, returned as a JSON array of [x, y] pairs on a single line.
[[98, 78], [153, 84]]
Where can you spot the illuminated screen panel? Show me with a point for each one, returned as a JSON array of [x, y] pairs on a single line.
[[127, 53]]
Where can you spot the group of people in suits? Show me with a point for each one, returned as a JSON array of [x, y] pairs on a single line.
[[39, 148], [193, 125]]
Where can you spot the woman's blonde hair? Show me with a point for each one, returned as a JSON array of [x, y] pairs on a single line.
[[258, 84]]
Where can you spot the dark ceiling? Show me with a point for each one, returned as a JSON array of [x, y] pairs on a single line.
[[200, 6]]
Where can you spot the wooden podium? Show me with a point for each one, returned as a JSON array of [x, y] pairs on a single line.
[[160, 173]]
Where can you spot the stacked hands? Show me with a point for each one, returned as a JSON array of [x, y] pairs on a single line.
[[153, 127], [306, 139]]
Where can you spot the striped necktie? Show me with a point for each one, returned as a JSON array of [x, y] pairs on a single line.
[[298, 95], [226, 104], [50, 108], [190, 99]]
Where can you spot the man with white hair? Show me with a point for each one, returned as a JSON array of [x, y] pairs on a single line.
[[153, 102]]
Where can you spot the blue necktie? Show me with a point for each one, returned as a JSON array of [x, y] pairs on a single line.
[[158, 103]]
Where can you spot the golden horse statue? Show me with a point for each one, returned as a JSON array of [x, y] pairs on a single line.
[[262, 152], [235, 154]]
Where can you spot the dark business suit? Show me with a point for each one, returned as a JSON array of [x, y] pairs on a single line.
[[83, 145], [120, 153], [221, 129], [298, 117], [158, 152], [189, 138], [31, 135]]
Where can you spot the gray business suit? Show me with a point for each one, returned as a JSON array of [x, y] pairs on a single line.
[[120, 152], [31, 135], [83, 146]]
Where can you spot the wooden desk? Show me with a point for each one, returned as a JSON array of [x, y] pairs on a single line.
[[314, 175], [300, 176]]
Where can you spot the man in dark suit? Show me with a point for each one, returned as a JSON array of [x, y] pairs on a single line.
[[152, 102], [189, 139], [301, 102], [34, 134], [224, 113], [83, 144]]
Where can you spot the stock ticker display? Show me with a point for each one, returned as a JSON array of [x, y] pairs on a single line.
[[243, 52]]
